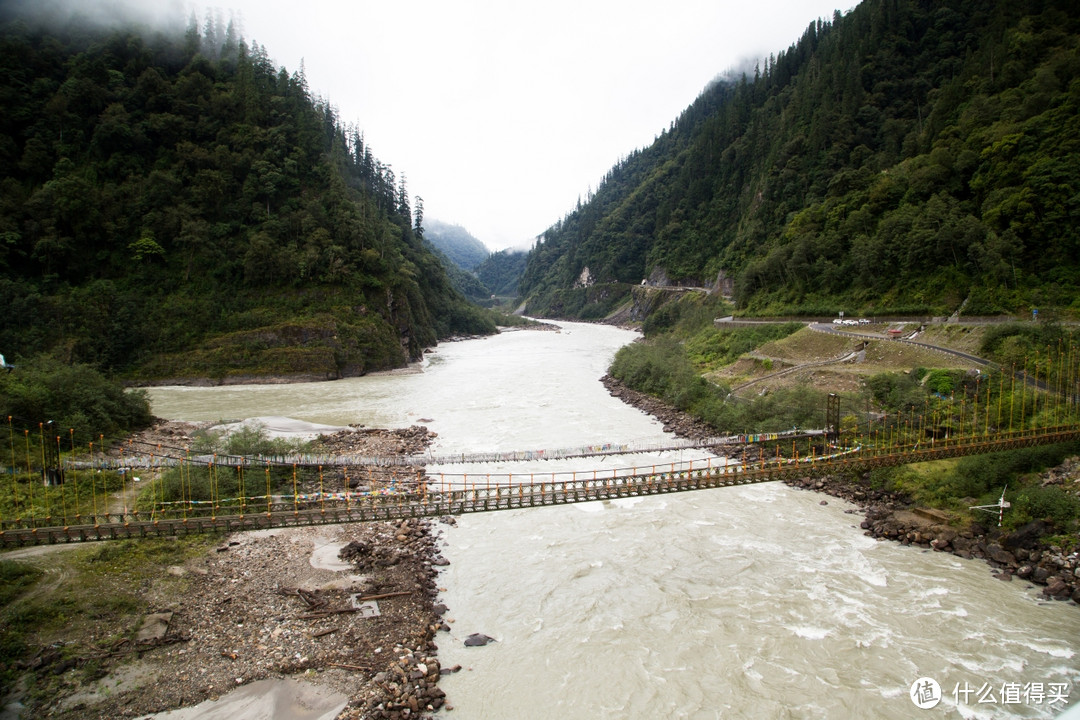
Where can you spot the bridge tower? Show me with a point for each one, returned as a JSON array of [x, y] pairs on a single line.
[[832, 416]]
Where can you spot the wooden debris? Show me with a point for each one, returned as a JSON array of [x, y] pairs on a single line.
[[384, 595], [327, 613], [350, 667]]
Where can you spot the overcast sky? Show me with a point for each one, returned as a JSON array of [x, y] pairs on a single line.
[[502, 113]]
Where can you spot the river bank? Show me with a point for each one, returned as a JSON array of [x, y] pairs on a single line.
[[350, 609], [892, 516]]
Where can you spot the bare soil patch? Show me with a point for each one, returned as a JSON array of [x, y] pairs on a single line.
[[807, 345]]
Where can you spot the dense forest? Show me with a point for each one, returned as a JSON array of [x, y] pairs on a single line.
[[175, 205], [501, 272], [461, 254], [906, 157], [456, 243]]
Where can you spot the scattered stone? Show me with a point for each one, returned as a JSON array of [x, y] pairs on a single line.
[[478, 640], [154, 628], [240, 618]]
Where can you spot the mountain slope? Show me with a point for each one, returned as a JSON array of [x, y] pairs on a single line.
[[501, 271], [174, 205], [457, 243], [904, 157]]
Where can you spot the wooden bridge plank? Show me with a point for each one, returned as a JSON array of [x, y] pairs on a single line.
[[141, 525]]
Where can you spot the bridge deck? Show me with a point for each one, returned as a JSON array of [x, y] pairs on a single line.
[[430, 501]]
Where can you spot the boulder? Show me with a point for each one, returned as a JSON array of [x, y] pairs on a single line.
[[999, 554], [1055, 588], [946, 535], [1025, 537], [478, 640], [153, 628]]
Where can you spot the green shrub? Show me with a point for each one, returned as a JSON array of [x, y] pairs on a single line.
[[712, 347], [73, 398], [14, 579], [1046, 503], [942, 382]]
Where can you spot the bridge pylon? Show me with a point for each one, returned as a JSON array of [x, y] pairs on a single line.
[[832, 416]]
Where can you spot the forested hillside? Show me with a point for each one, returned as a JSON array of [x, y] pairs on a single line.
[[904, 157], [457, 243], [502, 270], [174, 205], [461, 254]]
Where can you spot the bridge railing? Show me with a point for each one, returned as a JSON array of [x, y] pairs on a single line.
[[442, 494]]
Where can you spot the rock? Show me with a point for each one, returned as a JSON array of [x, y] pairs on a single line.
[[1024, 571], [999, 554], [1040, 574], [1056, 587], [823, 502], [1025, 537], [153, 628], [931, 514], [478, 640], [939, 544]]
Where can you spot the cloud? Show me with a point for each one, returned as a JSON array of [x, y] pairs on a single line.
[[503, 114]]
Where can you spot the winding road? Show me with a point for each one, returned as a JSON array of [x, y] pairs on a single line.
[[863, 335]]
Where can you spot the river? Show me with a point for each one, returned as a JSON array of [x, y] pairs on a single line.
[[748, 602]]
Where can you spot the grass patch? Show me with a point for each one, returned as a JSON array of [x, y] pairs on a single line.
[[83, 494], [808, 345], [81, 599], [959, 484], [713, 348]]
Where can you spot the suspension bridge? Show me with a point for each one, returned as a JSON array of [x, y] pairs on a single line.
[[55, 494], [259, 500]]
